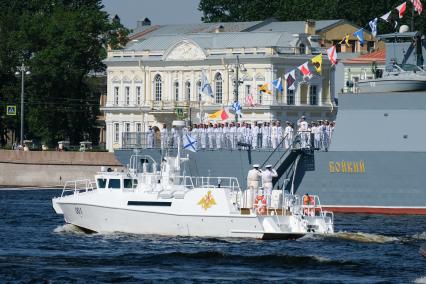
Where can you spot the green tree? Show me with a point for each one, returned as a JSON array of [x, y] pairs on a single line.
[[62, 42], [356, 11]]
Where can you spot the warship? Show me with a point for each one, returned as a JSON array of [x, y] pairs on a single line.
[[376, 162]]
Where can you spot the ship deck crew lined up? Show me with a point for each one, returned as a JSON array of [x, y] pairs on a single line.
[[260, 135]]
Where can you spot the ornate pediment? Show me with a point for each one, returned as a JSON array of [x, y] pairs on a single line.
[[184, 51]]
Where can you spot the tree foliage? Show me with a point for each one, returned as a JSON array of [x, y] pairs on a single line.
[[62, 42], [356, 11]]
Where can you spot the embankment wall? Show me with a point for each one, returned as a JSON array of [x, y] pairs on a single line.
[[50, 168]]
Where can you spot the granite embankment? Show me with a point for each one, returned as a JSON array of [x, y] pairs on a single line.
[[50, 168]]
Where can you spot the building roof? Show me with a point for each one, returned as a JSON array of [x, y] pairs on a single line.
[[192, 28], [378, 56], [268, 25], [297, 26], [216, 40]]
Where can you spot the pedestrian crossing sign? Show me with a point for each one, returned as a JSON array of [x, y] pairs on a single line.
[[180, 112], [11, 110]]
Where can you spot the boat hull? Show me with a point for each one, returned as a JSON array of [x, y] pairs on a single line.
[[104, 219], [390, 85]]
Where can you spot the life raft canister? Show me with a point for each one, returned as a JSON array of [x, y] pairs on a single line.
[[260, 205]]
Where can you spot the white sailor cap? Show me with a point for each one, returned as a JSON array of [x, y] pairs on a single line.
[[260, 192], [255, 165], [268, 166]]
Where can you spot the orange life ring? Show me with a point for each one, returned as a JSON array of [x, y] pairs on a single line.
[[260, 205]]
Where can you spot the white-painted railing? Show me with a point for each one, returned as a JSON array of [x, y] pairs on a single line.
[[77, 186]]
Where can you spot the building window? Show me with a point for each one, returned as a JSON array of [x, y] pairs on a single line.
[[127, 90], [138, 127], [248, 89], [218, 88], [158, 87], [176, 90], [127, 127], [199, 90], [187, 91], [313, 96], [138, 95], [302, 48], [290, 97], [259, 94], [116, 95], [116, 132]]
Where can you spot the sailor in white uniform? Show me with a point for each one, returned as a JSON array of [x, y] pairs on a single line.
[[150, 137], [253, 180], [218, 136], [211, 134], [303, 128], [254, 133], [288, 134], [267, 176], [279, 133], [316, 130], [164, 133], [233, 136], [176, 136], [274, 135], [203, 135], [265, 130]]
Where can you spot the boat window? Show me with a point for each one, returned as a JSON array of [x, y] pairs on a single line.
[[114, 183], [102, 182], [128, 183], [135, 182]]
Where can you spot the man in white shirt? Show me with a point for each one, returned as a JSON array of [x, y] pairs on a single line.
[[274, 135], [203, 135], [164, 133], [303, 128], [254, 133], [253, 181], [267, 176], [150, 137], [265, 135], [279, 133], [288, 134], [219, 135]]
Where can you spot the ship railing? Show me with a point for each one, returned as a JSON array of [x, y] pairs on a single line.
[[78, 186], [219, 182], [205, 141]]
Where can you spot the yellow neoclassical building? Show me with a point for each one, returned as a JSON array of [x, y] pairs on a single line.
[[156, 77]]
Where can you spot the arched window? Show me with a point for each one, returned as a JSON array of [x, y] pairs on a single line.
[[188, 91], [302, 48], [176, 90], [199, 90], [158, 87], [218, 88]]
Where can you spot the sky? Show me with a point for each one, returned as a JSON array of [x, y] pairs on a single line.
[[160, 12]]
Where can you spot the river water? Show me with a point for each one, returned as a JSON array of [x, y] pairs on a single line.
[[36, 246]]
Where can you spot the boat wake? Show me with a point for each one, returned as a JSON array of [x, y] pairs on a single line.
[[364, 237], [421, 280], [419, 236], [69, 228]]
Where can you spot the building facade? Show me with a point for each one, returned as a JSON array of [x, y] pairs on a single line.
[[157, 79]]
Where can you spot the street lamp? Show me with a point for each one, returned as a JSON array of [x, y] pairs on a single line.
[[23, 70], [237, 67]]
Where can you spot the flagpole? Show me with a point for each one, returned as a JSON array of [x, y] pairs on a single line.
[[237, 84]]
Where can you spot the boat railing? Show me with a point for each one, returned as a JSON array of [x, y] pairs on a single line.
[[219, 182], [78, 186]]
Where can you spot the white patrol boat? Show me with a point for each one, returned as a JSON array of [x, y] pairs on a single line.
[[147, 199], [163, 202]]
